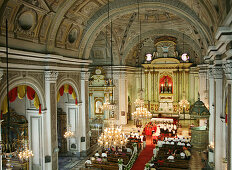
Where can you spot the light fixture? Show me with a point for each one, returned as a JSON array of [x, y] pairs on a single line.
[[110, 105], [141, 111], [183, 103], [149, 57], [112, 137], [69, 133], [184, 56], [25, 154]]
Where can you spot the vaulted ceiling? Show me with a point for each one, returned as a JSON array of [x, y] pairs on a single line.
[[81, 28]]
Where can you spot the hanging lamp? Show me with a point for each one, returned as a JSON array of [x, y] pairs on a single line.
[[141, 111], [184, 56]]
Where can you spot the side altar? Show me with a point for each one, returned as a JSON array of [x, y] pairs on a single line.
[[167, 79]]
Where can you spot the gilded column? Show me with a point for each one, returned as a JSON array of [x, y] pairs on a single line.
[[174, 86], [146, 84], [187, 84], [180, 84], [149, 82], [156, 86], [152, 85]]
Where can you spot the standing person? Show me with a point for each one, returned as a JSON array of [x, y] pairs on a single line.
[[144, 141]]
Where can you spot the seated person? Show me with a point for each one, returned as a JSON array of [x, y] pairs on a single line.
[[187, 154], [160, 143], [93, 158], [88, 161], [182, 144], [179, 143], [170, 158], [97, 154], [129, 150], [99, 159], [182, 155], [172, 143], [188, 144], [104, 155]]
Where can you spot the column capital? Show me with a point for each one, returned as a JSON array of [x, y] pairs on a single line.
[[217, 72], [51, 76], [120, 75], [85, 75], [210, 73], [227, 67]]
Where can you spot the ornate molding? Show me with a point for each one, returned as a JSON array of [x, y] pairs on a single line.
[[51, 76], [227, 67], [217, 72], [85, 76], [1, 74], [210, 73], [120, 75]]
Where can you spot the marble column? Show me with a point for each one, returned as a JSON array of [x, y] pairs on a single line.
[[211, 110], [51, 144], [146, 85], [1, 75], [218, 143], [228, 74], [84, 114], [122, 97]]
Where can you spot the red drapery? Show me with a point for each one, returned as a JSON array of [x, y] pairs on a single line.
[[70, 90], [13, 94], [61, 91], [30, 93]]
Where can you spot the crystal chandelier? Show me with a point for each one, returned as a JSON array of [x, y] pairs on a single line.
[[107, 106], [183, 103], [142, 112], [25, 154], [69, 133], [112, 137]]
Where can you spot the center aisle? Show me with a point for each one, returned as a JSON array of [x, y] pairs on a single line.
[[145, 155]]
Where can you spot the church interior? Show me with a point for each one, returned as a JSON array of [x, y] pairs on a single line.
[[116, 84]]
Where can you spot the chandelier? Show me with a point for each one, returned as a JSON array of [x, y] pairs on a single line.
[[141, 112], [139, 102], [69, 133], [112, 137], [25, 154], [183, 103], [107, 106]]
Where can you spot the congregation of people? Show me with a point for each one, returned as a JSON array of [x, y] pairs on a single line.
[[108, 158]]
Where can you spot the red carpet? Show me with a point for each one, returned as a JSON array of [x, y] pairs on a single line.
[[145, 155]]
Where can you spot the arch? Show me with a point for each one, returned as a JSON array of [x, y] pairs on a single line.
[[71, 83], [29, 81], [133, 42], [99, 20]]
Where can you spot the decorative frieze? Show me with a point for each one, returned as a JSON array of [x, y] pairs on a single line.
[[227, 67], [85, 76], [210, 73], [217, 72], [51, 76]]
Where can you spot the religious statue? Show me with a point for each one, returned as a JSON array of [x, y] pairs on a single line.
[[166, 87], [98, 107]]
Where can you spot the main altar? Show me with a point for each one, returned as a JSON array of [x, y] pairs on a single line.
[[166, 79]]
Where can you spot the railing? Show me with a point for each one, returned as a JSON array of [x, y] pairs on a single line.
[[129, 165]]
